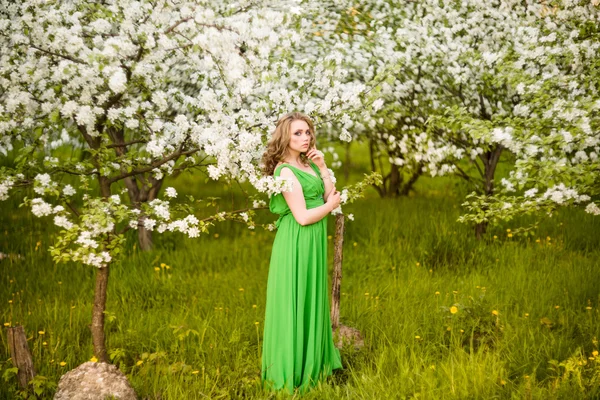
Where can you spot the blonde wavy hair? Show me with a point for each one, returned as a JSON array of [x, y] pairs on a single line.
[[277, 147]]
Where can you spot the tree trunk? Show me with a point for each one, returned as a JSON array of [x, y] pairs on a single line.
[[480, 230], [337, 271], [20, 354], [490, 162], [144, 238], [395, 181], [97, 327], [411, 182]]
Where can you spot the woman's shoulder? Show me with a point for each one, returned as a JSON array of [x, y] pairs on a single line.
[[282, 166]]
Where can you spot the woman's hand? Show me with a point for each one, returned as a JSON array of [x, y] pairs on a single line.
[[334, 199], [316, 156]]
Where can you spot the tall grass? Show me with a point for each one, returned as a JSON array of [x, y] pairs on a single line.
[[443, 316]]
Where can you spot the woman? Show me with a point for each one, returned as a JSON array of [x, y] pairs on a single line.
[[298, 345]]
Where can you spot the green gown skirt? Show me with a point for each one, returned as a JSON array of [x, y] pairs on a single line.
[[298, 347]]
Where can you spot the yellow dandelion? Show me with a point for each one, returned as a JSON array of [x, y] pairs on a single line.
[[510, 235], [526, 376], [162, 265], [59, 282], [366, 293], [354, 244], [418, 264], [41, 332], [253, 305], [241, 289], [139, 363], [591, 358], [495, 237], [62, 363], [548, 238], [256, 323], [537, 240], [93, 359], [449, 329], [502, 382], [557, 307], [329, 237], [10, 302], [44, 343], [195, 372], [526, 315], [453, 310], [588, 308], [595, 353], [216, 235], [418, 337], [496, 313], [462, 331], [7, 324], [156, 269], [508, 231], [437, 293]]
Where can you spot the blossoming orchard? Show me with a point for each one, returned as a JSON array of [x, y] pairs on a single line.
[[109, 109]]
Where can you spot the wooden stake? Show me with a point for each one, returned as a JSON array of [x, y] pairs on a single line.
[[337, 271], [20, 354]]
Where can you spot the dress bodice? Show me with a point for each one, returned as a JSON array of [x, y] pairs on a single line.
[[313, 189]]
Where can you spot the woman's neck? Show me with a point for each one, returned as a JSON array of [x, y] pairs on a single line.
[[294, 159]]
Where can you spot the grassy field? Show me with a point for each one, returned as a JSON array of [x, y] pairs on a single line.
[[443, 316]]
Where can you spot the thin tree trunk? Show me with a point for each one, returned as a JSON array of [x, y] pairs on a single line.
[[97, 328], [395, 181], [144, 236], [411, 182], [20, 355], [337, 271], [380, 189], [100, 293], [490, 162]]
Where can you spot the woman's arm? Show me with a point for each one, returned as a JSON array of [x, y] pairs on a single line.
[[327, 181], [297, 204], [317, 158]]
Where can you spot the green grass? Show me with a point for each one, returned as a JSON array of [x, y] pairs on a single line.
[[194, 325]]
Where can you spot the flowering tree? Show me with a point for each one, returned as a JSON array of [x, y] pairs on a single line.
[[555, 73], [452, 105], [143, 89]]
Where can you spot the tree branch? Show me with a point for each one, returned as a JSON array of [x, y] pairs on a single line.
[[66, 57], [175, 155]]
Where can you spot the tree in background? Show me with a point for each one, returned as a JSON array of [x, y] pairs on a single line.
[[556, 76]]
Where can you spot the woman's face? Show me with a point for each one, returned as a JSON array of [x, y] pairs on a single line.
[[300, 136]]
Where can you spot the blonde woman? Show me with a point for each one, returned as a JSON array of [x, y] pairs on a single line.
[[298, 347]]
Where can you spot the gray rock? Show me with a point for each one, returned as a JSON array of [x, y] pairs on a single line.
[[94, 381]]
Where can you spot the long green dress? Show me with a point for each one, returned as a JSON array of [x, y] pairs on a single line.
[[298, 347]]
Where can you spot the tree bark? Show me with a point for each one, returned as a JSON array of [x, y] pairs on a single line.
[[411, 182], [490, 162], [337, 271], [97, 327], [144, 236], [20, 354], [395, 181]]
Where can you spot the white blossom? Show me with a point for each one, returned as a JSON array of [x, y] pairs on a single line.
[[170, 192]]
